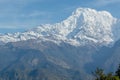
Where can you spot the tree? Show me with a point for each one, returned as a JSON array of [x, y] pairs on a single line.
[[100, 75], [117, 73]]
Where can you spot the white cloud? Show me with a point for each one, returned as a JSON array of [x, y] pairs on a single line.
[[105, 2], [36, 14]]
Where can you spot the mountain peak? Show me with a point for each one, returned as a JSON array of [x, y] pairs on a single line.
[[91, 25], [89, 11], [84, 26]]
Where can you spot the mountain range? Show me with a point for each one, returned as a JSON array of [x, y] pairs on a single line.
[[69, 50]]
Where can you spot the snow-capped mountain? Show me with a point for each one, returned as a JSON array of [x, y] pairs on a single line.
[[82, 27], [36, 52]]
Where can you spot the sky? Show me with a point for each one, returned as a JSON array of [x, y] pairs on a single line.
[[20, 15]]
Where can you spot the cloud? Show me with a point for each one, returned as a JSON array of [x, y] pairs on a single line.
[[29, 13], [105, 2], [24, 20], [22, 14], [36, 14]]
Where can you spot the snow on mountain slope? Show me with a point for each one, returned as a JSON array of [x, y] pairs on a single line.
[[82, 27]]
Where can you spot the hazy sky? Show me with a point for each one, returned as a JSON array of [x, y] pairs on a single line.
[[23, 14]]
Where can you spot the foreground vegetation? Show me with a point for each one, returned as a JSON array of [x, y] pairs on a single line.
[[99, 74]]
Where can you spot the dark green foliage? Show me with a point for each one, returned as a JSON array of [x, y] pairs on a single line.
[[118, 71], [100, 75]]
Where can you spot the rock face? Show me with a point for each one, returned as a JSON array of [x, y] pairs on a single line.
[[60, 61], [83, 27]]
